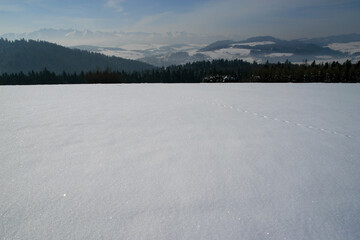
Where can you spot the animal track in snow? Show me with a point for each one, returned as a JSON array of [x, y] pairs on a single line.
[[255, 114]]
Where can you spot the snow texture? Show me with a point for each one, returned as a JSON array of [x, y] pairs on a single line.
[[201, 161]]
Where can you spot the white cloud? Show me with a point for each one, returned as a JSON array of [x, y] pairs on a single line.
[[151, 20], [115, 5], [244, 18], [215, 17]]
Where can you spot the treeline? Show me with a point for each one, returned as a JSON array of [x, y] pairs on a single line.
[[286, 72], [206, 71]]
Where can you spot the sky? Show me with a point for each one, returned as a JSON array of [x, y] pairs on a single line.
[[287, 19]]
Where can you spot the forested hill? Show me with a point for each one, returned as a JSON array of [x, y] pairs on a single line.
[[29, 55]]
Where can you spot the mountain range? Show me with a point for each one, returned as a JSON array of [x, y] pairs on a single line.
[[181, 47], [71, 37], [260, 49]]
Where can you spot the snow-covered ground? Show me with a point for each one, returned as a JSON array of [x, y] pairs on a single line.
[[201, 161], [279, 55], [127, 54], [351, 47], [229, 53]]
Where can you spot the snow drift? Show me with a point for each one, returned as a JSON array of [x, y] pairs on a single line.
[[202, 161]]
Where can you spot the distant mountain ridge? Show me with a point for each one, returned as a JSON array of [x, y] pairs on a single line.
[[29, 55], [72, 37], [268, 44], [217, 45], [324, 41], [267, 48], [154, 48], [260, 49]]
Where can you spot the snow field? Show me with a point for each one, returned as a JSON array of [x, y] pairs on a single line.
[[181, 161]]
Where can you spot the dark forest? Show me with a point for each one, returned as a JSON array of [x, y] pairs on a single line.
[[214, 71]]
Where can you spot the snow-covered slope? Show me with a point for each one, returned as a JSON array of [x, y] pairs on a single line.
[[350, 47], [202, 161], [259, 50]]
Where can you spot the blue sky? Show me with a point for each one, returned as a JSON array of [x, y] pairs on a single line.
[[280, 18]]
